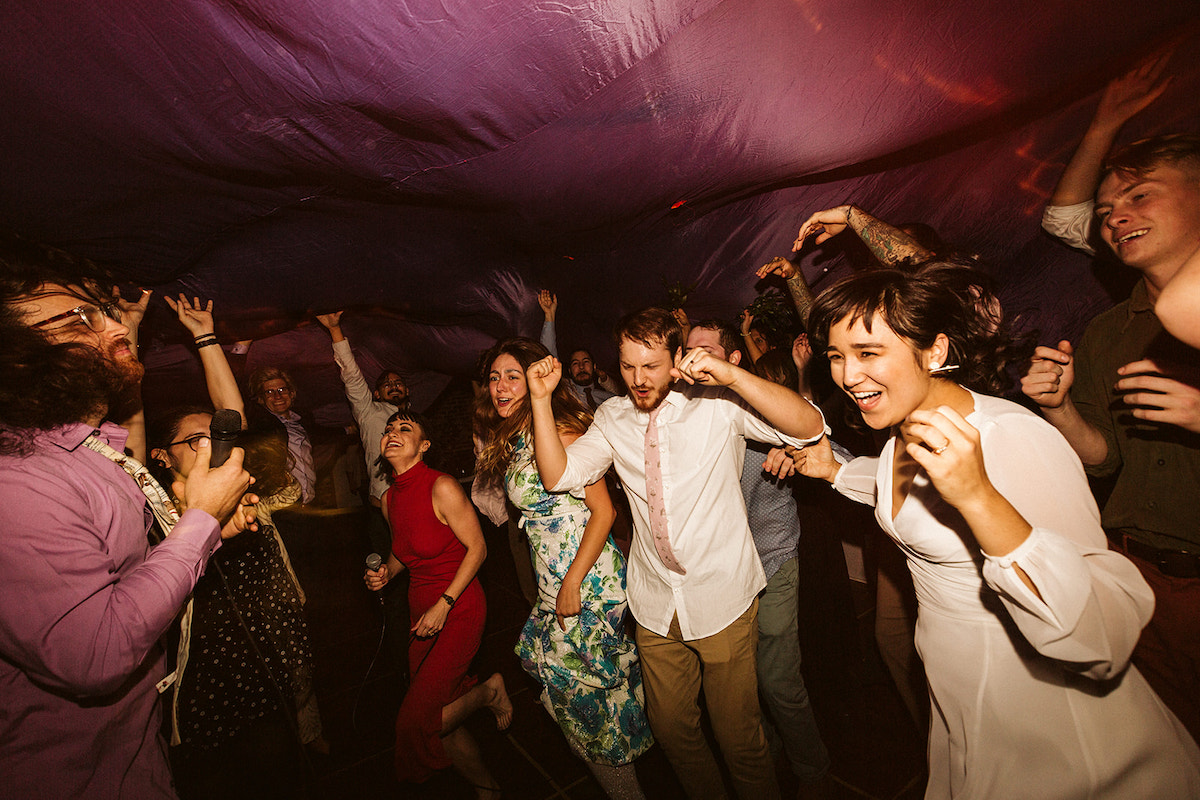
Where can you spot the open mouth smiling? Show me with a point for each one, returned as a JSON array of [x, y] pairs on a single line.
[[1133, 235]]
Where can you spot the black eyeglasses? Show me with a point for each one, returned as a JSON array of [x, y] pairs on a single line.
[[192, 441], [89, 314]]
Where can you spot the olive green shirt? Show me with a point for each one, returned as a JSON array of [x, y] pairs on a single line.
[[1156, 497]]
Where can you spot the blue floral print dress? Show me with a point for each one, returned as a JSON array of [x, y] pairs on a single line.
[[591, 678]]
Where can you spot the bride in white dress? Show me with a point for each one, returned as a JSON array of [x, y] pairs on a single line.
[[1027, 620]]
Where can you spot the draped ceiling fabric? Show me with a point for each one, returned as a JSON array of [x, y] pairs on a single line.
[[430, 165]]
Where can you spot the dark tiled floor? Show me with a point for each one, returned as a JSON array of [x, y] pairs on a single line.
[[875, 749]]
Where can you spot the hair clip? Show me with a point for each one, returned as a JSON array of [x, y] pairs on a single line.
[[942, 370]]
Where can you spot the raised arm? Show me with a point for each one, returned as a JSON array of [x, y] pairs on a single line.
[[798, 288], [222, 386], [1122, 99], [548, 450], [752, 349], [783, 408], [357, 391], [548, 302], [888, 244]]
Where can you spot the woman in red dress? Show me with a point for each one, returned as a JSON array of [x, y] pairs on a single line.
[[436, 535]]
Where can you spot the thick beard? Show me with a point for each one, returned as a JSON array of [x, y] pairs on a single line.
[[127, 372], [655, 400], [584, 381]]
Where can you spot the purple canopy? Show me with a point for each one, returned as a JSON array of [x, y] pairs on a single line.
[[430, 165]]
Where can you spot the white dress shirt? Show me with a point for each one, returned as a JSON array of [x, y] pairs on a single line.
[[702, 433]]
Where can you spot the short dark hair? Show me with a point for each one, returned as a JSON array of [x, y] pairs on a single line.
[[653, 327], [1181, 150], [727, 335], [584, 350], [917, 307], [381, 464]]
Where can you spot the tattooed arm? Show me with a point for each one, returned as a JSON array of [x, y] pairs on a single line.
[[890, 245]]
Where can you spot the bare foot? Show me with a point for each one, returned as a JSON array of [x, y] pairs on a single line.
[[499, 705]]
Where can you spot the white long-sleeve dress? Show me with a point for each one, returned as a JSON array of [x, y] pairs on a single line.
[[1031, 698]]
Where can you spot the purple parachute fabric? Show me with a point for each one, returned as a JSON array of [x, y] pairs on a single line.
[[431, 164]]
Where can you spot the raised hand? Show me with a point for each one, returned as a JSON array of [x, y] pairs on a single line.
[[330, 321], [700, 366], [1050, 376], [132, 313], [549, 303], [824, 225], [1160, 393], [542, 377], [777, 266], [801, 352], [745, 320], [1128, 94], [196, 318]]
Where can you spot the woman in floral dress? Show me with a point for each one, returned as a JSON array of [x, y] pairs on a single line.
[[575, 641]]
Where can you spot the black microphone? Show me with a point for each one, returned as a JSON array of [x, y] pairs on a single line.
[[223, 432]]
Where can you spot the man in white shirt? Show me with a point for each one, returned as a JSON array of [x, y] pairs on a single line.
[[693, 571], [371, 409]]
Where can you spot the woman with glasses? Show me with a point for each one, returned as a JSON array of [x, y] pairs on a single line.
[[244, 695]]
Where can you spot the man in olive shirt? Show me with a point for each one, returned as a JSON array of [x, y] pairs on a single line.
[[1127, 399]]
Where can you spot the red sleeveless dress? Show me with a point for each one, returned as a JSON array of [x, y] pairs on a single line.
[[437, 665]]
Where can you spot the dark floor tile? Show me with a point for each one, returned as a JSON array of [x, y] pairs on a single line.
[[875, 750]]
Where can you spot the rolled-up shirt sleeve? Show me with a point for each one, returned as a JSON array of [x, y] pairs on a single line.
[[1072, 224], [755, 428]]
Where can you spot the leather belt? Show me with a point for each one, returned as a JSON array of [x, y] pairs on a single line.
[[1175, 563]]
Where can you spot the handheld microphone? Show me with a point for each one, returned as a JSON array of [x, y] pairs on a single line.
[[374, 561], [223, 432]]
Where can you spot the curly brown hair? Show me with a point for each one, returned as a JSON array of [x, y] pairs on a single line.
[[498, 434], [47, 384]]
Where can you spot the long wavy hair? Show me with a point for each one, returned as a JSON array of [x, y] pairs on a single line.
[[497, 434], [47, 385], [942, 298]]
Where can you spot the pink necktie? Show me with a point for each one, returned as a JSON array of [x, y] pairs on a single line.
[[654, 498]]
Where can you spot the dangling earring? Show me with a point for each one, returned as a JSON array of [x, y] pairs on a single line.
[[938, 369]]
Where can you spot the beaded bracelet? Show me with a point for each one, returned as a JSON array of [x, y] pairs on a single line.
[[449, 600]]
